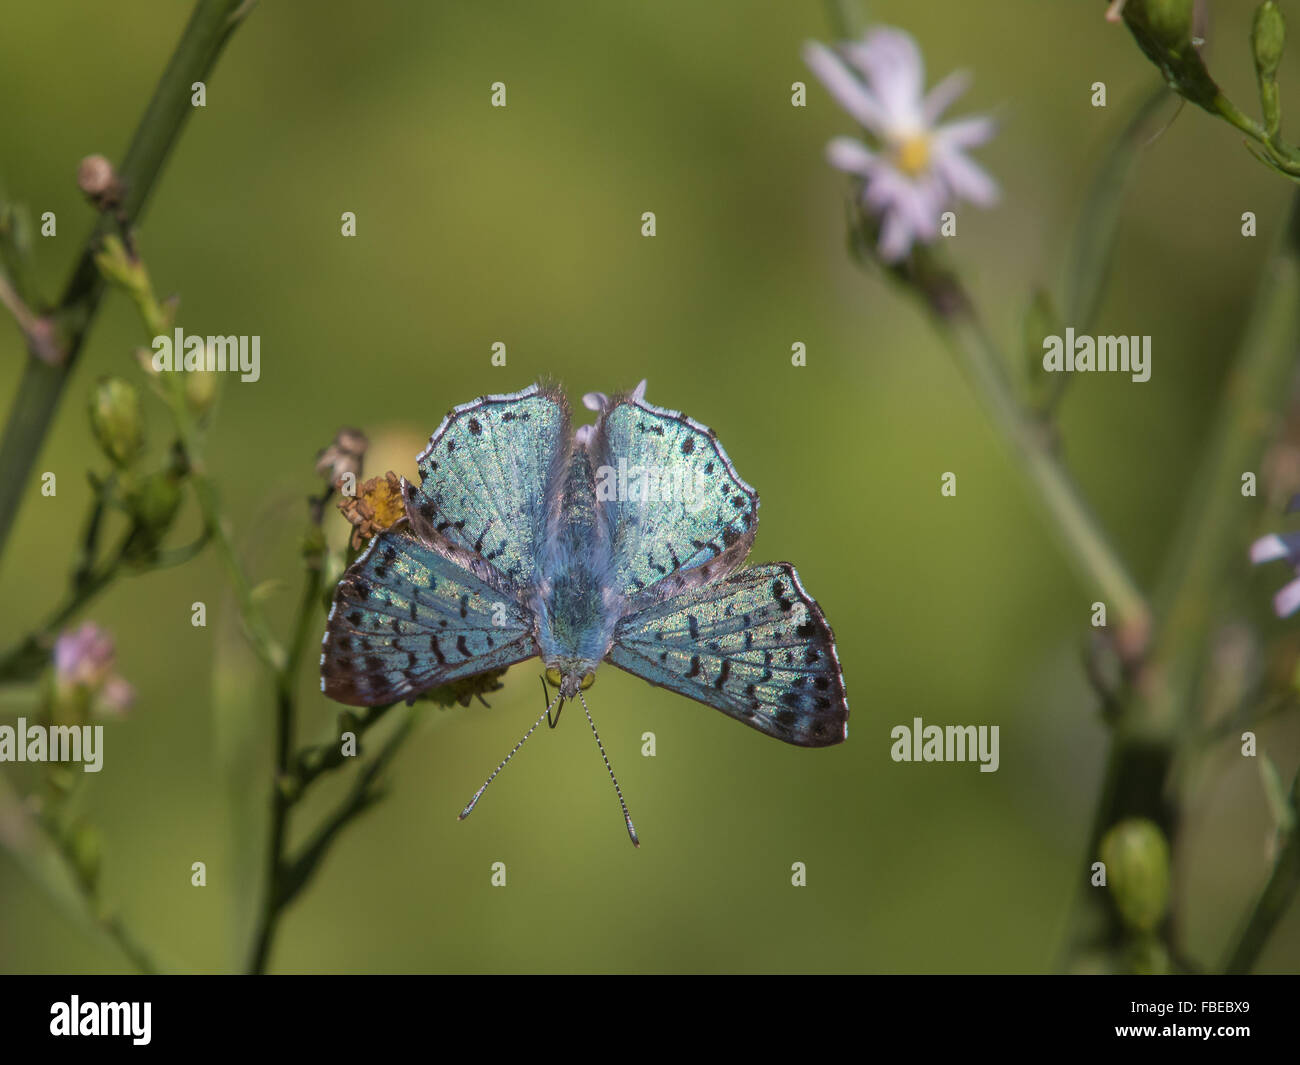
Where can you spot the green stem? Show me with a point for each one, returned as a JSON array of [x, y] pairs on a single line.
[[43, 383], [285, 790], [1211, 543], [1030, 444], [1156, 720], [1282, 885]]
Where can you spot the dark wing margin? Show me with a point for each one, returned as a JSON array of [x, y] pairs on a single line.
[[406, 619], [489, 477], [754, 645]]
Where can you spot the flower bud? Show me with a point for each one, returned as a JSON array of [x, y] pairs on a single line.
[[115, 420], [1169, 22], [1137, 872], [99, 182], [344, 456], [1268, 37], [156, 501], [201, 391]]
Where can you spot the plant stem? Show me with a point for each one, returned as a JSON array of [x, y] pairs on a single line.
[[1156, 719], [284, 788], [1030, 444], [1273, 901], [43, 383]]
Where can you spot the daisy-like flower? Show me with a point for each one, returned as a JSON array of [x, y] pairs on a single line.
[[916, 167]]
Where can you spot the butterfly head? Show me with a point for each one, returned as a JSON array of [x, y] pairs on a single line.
[[570, 681]]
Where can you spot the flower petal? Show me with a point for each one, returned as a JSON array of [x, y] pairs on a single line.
[[851, 156], [845, 86], [1274, 546], [1287, 601], [895, 71], [895, 238], [941, 97], [966, 179], [966, 133]]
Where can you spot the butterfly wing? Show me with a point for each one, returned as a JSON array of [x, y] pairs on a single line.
[[488, 478], [677, 513], [406, 619], [754, 645]]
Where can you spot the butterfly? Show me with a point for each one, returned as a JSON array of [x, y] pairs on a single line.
[[621, 542]]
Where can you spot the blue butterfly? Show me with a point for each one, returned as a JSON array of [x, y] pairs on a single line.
[[622, 541]]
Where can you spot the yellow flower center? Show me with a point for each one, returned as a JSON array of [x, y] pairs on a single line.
[[913, 155]]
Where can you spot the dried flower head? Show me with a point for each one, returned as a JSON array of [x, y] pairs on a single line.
[[343, 457], [99, 182], [377, 506]]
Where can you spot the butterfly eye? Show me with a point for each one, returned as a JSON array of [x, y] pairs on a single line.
[[587, 681], [553, 678]]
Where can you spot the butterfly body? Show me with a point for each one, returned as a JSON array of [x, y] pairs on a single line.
[[623, 541], [574, 610]]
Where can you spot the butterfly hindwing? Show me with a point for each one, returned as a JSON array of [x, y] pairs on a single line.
[[754, 645], [406, 619], [487, 478], [678, 514]]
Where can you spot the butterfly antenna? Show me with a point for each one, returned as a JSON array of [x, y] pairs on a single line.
[[469, 807], [627, 818]]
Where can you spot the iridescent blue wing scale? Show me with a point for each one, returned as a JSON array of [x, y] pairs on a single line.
[[488, 480], [693, 523], [754, 645], [406, 619]]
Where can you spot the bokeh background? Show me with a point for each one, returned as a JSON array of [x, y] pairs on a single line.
[[522, 225]]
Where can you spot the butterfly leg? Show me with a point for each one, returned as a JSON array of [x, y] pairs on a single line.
[[545, 697]]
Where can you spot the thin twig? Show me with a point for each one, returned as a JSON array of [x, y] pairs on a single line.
[[43, 382]]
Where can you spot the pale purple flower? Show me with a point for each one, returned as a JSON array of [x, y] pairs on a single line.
[[1277, 546], [86, 659], [916, 167]]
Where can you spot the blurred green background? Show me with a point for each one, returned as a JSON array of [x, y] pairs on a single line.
[[522, 225]]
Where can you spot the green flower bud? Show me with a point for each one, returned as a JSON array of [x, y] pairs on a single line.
[[115, 420], [200, 391], [1268, 37], [1137, 872], [156, 501], [1169, 22]]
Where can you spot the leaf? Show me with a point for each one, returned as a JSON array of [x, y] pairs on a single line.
[[1093, 246]]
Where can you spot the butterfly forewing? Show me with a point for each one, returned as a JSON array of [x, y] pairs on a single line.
[[754, 645], [487, 477], [680, 514], [406, 619]]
